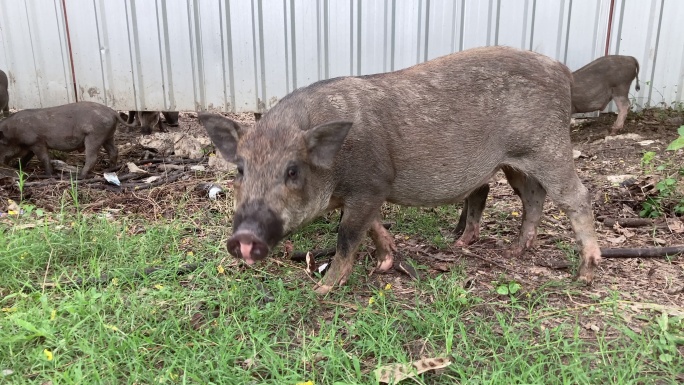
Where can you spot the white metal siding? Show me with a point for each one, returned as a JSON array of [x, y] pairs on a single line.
[[244, 55]]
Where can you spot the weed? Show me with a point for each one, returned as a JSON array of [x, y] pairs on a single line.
[[667, 188]]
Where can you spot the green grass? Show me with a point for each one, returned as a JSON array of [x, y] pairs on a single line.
[[221, 327]]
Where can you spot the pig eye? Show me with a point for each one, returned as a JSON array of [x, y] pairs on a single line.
[[240, 168], [292, 172]]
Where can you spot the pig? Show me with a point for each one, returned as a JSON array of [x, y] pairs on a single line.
[[608, 77], [594, 85], [70, 127], [4, 94], [150, 119], [428, 135]]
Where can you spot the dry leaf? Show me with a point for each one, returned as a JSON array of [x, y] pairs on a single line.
[[133, 168], [626, 232], [618, 240], [675, 225], [393, 373], [672, 310], [151, 179], [310, 263], [408, 270]]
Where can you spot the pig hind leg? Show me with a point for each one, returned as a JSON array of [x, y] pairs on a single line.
[[560, 180], [360, 213], [384, 246], [92, 148], [472, 208], [532, 195], [112, 150], [622, 102]]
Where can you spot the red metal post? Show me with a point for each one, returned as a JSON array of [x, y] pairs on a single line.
[[71, 55], [610, 25]]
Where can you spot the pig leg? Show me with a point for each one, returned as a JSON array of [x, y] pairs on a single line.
[[25, 159], [565, 188], [161, 126], [5, 111], [460, 227], [474, 206], [131, 117], [384, 246], [359, 215], [112, 151], [92, 147], [41, 152], [622, 103], [532, 195]]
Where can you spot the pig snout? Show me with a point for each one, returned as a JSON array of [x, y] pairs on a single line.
[[246, 245], [256, 229]]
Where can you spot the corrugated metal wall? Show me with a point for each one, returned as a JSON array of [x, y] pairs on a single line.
[[243, 55]]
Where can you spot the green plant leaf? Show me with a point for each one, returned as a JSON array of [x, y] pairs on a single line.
[[503, 289], [680, 130], [513, 287], [666, 358], [676, 144]]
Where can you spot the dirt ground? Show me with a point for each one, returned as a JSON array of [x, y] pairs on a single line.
[[642, 280]]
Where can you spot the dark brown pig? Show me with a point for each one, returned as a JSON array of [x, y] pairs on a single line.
[[608, 77], [427, 135], [68, 127], [4, 94], [150, 119]]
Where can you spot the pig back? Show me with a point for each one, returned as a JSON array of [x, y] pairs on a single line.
[[597, 82], [62, 128], [431, 133]]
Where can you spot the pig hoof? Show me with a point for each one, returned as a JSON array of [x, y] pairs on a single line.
[[586, 278], [322, 289], [385, 264], [464, 241], [514, 252]]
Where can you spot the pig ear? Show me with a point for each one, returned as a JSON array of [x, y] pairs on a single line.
[[324, 141], [223, 132]]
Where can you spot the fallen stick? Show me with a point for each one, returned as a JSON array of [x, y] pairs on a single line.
[[300, 256], [629, 222], [171, 161], [641, 252], [170, 177]]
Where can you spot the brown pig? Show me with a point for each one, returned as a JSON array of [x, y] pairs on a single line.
[[4, 95], [427, 135], [594, 85], [608, 77], [70, 127]]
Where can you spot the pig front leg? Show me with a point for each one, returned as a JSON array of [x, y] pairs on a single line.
[[25, 159], [359, 216], [41, 152]]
